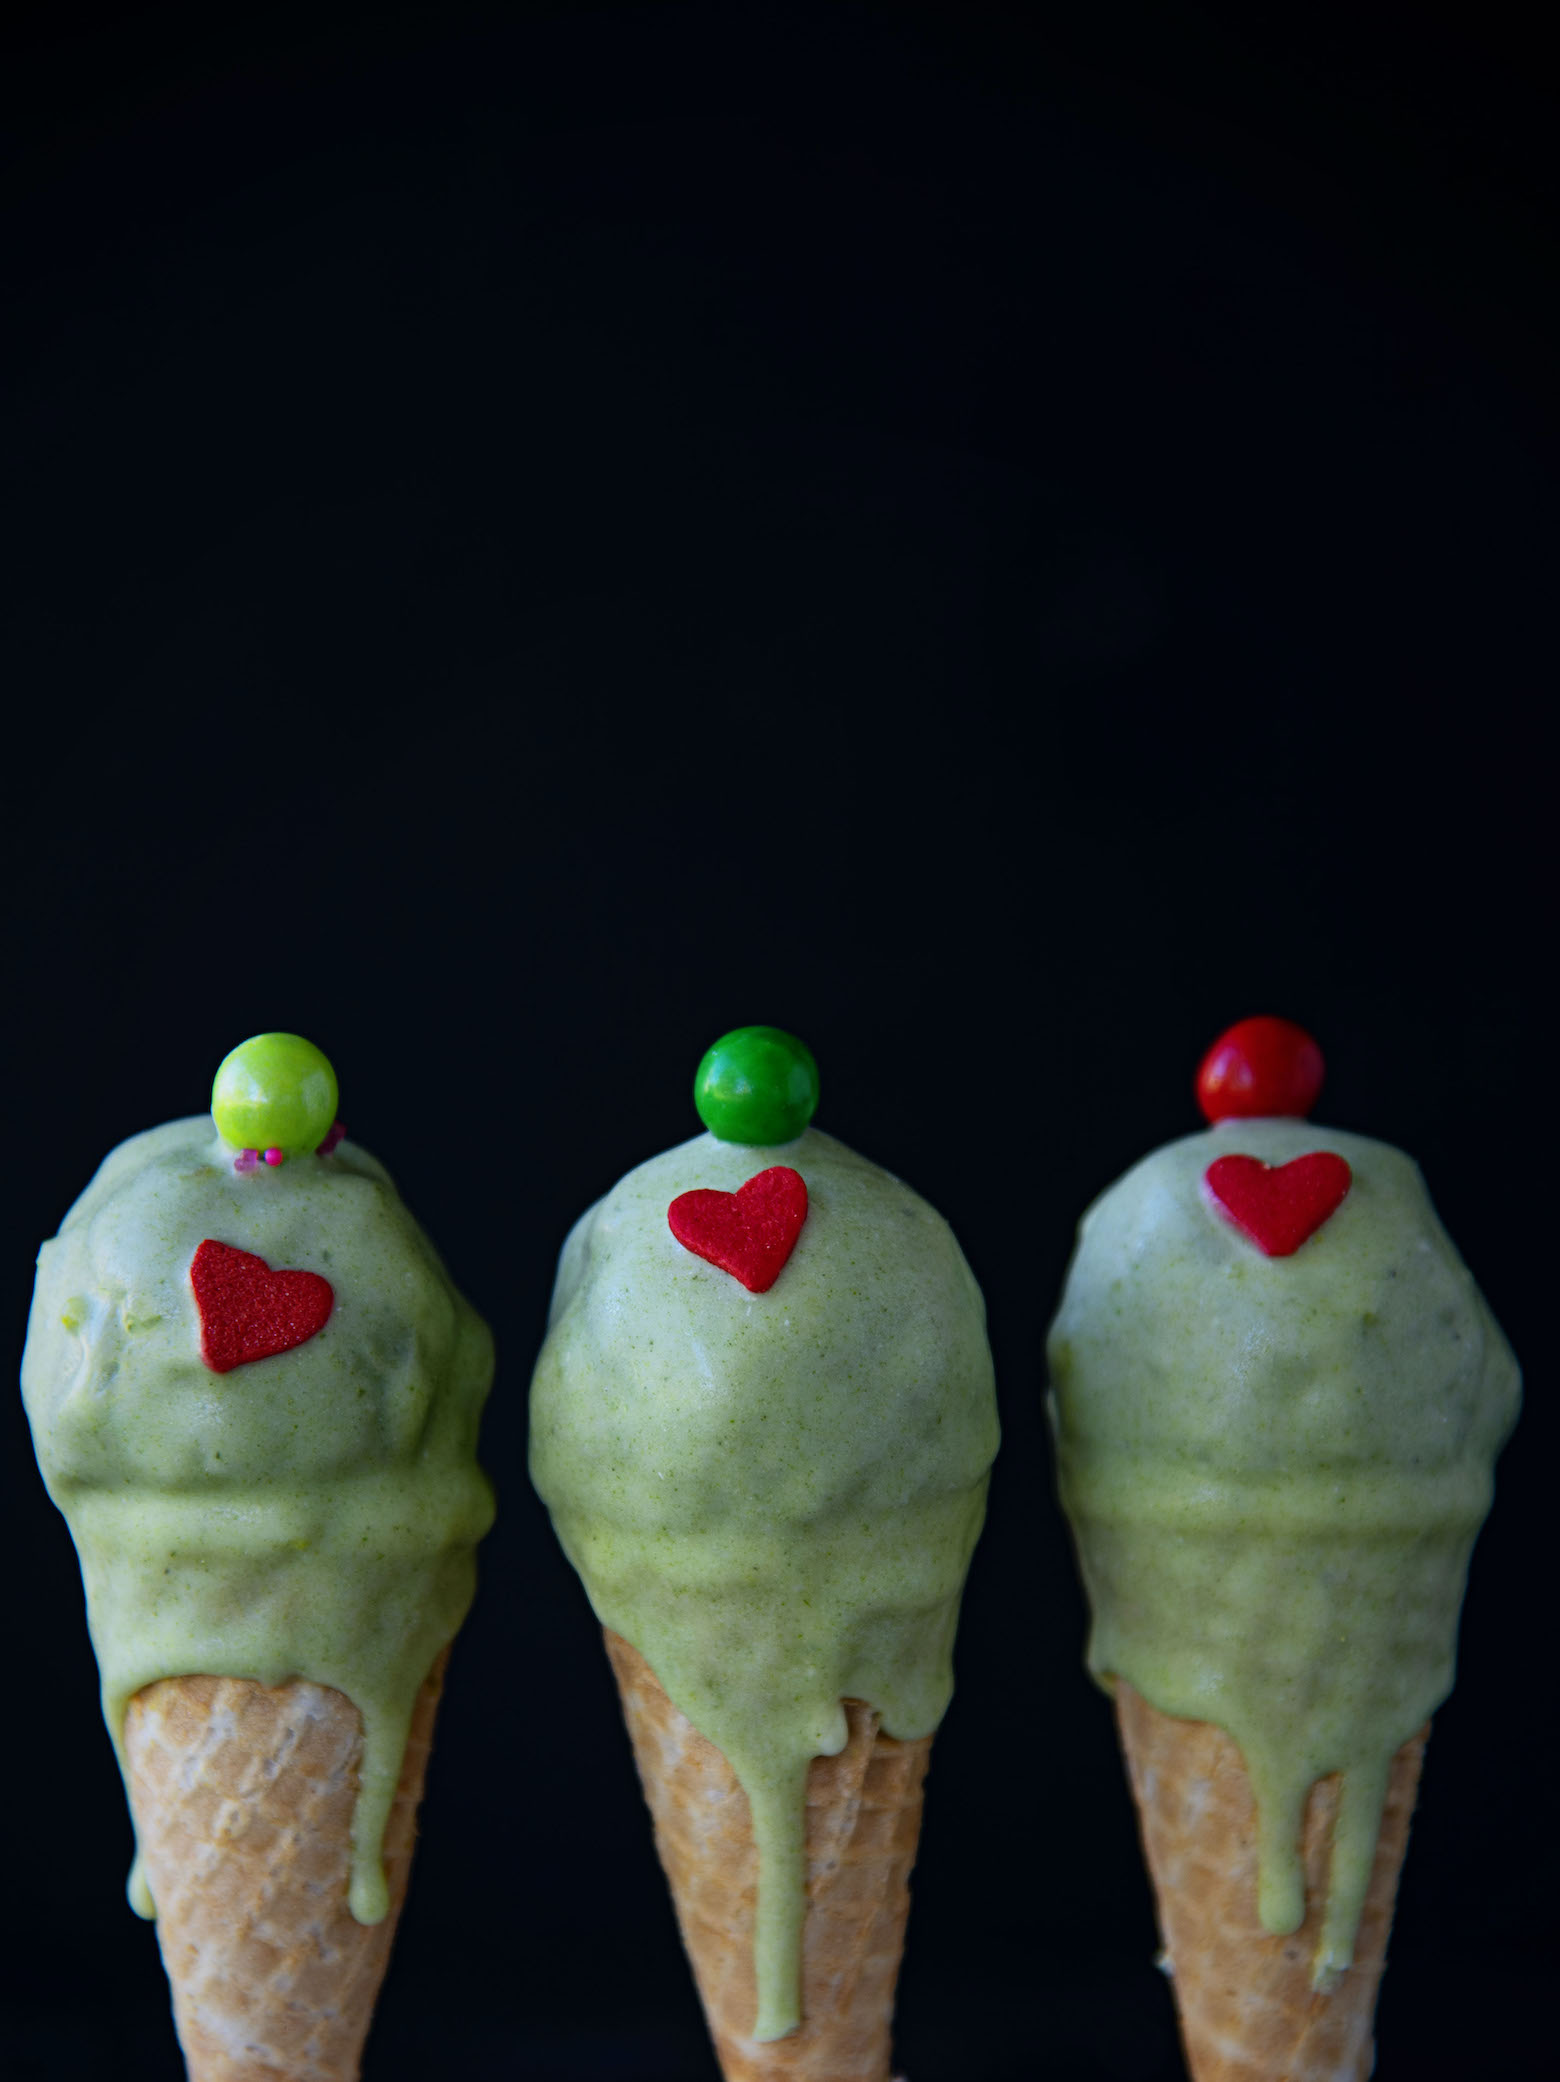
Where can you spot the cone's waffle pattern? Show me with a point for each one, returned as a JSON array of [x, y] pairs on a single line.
[[863, 1820], [243, 1797], [1248, 2010]]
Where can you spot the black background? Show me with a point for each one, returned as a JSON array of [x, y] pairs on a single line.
[[998, 541]]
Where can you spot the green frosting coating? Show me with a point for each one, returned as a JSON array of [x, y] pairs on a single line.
[[1275, 1470], [773, 1496], [311, 1515]]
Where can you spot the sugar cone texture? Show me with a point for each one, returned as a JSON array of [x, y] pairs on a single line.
[[863, 1821], [243, 1797], [1248, 2010]]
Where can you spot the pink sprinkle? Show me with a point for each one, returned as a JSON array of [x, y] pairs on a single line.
[[246, 1160], [335, 1135], [274, 1156]]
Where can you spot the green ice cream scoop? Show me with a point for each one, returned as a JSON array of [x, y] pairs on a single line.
[[255, 1492], [1275, 1467], [773, 1495]]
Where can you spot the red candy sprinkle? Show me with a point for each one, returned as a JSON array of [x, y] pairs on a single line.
[[1277, 1206], [1260, 1067], [249, 1312], [749, 1233]]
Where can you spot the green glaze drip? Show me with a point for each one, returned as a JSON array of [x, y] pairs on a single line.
[[310, 1515], [1275, 1470], [773, 1496]]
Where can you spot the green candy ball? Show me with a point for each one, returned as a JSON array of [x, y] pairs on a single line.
[[275, 1091], [757, 1085]]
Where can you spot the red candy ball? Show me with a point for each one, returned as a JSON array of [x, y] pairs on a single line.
[[1260, 1067]]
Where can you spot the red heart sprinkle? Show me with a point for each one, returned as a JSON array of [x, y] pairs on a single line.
[[248, 1312], [749, 1233], [1277, 1206]]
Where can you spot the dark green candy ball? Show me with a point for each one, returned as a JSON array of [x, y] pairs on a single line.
[[757, 1085]]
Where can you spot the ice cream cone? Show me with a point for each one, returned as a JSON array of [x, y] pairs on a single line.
[[243, 1797], [863, 1821], [1248, 2009]]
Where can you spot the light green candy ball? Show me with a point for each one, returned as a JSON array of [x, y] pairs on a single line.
[[275, 1091]]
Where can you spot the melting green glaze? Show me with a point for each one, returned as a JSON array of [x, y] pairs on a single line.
[[313, 1514], [1275, 1470], [773, 1496]]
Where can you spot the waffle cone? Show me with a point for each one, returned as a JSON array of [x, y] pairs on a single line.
[[243, 1797], [1248, 2010], [863, 1821]]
